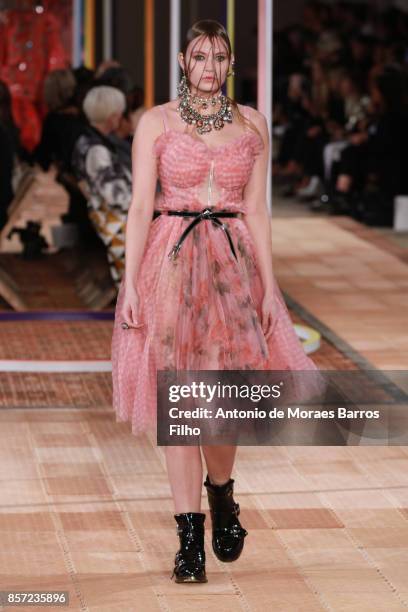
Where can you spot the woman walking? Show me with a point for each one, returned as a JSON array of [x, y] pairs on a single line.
[[198, 290]]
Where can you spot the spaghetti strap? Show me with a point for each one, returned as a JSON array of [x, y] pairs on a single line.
[[163, 112]]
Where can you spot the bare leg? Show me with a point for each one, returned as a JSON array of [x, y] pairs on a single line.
[[220, 461], [185, 471]]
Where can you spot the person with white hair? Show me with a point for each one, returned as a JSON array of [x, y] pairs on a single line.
[[106, 179]]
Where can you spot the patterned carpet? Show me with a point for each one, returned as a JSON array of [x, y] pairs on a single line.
[[73, 340], [60, 340]]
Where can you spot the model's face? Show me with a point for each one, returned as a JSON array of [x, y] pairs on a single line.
[[206, 64]]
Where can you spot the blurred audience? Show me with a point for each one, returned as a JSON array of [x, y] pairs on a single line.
[[341, 109], [86, 139], [61, 128]]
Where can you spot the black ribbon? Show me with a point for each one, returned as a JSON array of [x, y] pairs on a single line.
[[206, 213]]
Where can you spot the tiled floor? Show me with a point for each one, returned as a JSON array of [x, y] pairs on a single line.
[[85, 507], [354, 285]]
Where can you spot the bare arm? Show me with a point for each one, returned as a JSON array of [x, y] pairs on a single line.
[[144, 178], [257, 217]]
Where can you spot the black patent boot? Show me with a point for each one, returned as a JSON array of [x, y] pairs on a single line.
[[227, 532], [190, 558]]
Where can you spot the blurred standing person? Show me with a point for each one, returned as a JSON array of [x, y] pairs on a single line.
[[10, 150], [30, 47]]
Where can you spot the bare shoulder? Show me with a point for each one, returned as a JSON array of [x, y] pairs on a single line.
[[254, 115], [258, 119], [150, 122]]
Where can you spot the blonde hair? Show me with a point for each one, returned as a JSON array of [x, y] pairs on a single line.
[[103, 101]]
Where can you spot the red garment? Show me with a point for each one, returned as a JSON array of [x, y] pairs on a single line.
[[30, 47]]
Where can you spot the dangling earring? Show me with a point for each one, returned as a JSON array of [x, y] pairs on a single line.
[[233, 71], [182, 87]]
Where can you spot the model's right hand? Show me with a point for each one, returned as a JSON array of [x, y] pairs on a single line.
[[130, 308]]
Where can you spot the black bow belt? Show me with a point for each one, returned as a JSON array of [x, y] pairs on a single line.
[[206, 213]]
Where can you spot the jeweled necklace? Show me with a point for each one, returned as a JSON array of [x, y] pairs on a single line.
[[203, 123], [205, 102]]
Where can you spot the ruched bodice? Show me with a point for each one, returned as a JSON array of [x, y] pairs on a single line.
[[184, 170]]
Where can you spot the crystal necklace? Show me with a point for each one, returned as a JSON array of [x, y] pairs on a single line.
[[203, 123]]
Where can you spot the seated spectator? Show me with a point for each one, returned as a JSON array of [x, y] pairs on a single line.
[[62, 125], [98, 163], [114, 75], [376, 158], [61, 129], [340, 109], [304, 138]]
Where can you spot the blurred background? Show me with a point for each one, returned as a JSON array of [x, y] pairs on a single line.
[[52, 53], [338, 120], [82, 500]]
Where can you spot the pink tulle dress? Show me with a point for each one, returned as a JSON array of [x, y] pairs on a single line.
[[202, 310]]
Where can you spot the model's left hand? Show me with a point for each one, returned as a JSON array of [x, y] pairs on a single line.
[[269, 311]]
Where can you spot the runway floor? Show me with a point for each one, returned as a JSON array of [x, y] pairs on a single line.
[[86, 508]]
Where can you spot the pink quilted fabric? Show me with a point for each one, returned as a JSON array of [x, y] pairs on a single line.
[[202, 310]]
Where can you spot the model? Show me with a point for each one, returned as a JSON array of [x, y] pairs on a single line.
[[198, 291]]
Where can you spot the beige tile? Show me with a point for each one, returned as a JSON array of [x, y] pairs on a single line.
[[77, 485], [34, 562], [361, 500], [60, 440], [81, 469], [334, 475], [26, 521], [301, 500], [363, 602], [100, 540], [20, 541], [21, 491], [348, 580], [106, 562], [372, 518], [82, 454], [316, 539], [77, 521], [118, 591], [324, 558], [307, 518], [391, 537]]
